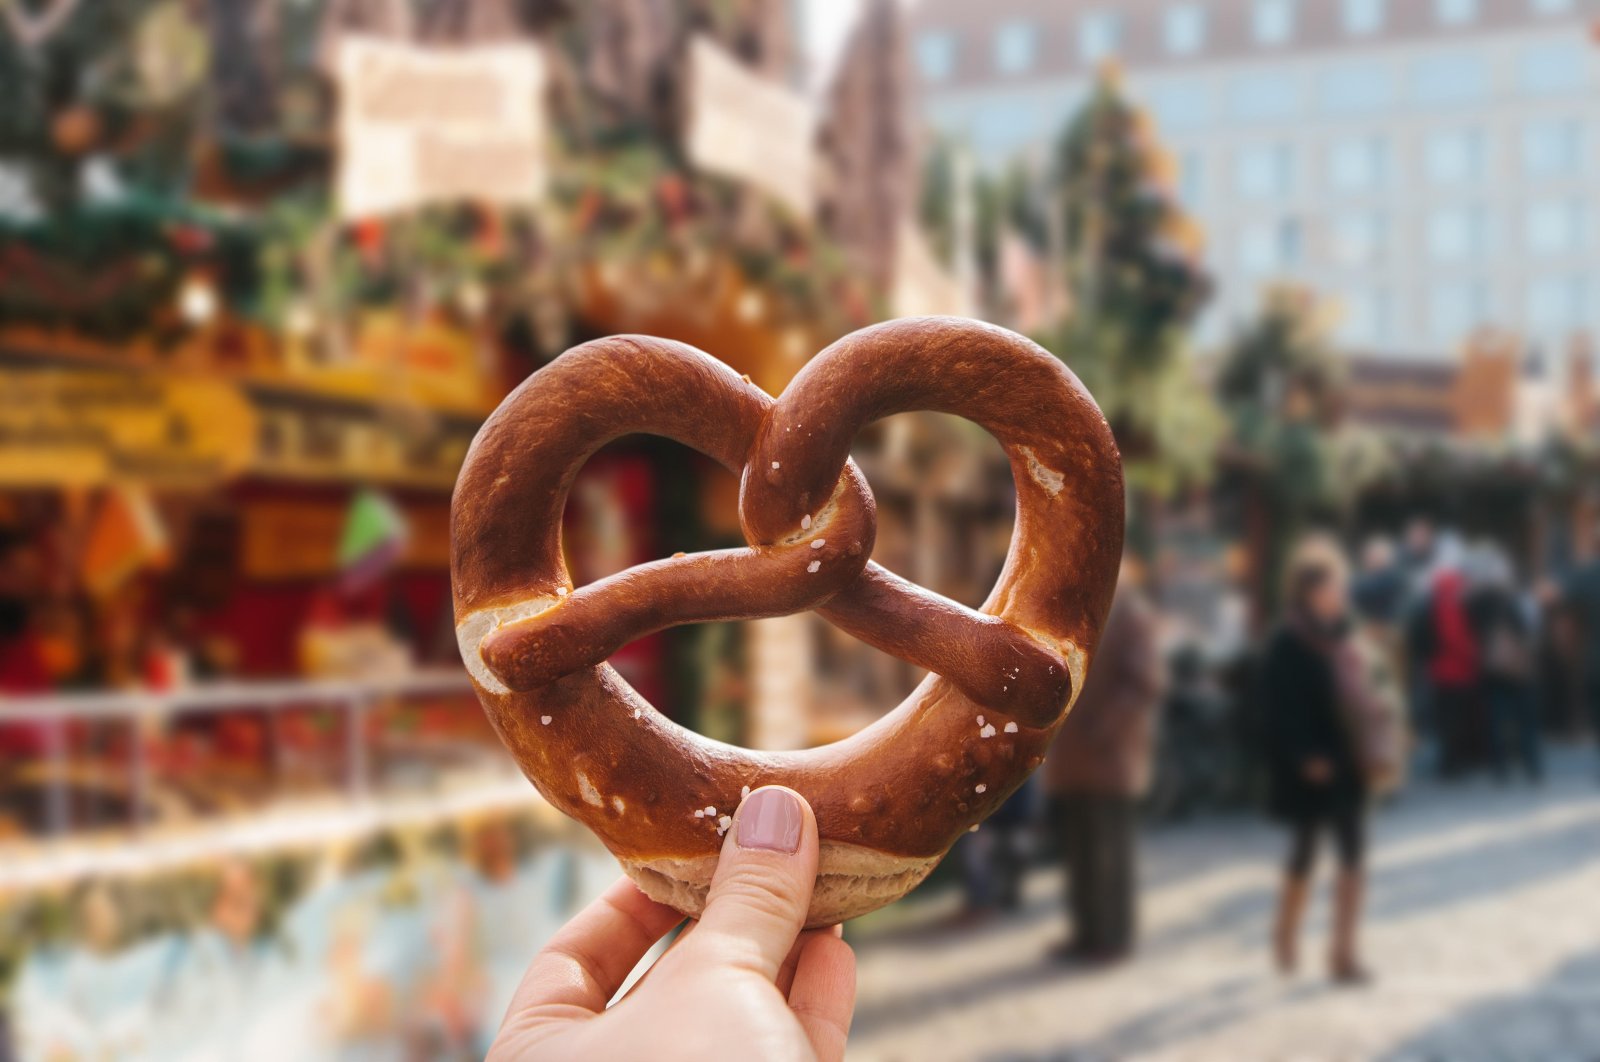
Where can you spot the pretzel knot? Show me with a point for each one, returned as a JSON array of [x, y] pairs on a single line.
[[890, 800]]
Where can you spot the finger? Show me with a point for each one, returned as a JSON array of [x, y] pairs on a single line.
[[762, 887], [823, 995], [785, 976], [587, 961]]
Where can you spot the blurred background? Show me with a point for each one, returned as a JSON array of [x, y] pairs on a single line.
[[1331, 267]]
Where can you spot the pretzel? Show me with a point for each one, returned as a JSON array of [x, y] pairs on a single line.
[[890, 800]]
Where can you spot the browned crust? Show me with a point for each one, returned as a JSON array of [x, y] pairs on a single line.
[[905, 787]]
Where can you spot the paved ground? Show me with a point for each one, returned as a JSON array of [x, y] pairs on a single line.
[[1484, 930]]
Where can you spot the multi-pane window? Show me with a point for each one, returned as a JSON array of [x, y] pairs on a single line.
[[1099, 36], [1264, 170], [1557, 226], [1554, 306], [1449, 79], [1356, 88], [1553, 68], [1553, 148], [1181, 104], [1191, 177], [1357, 164], [1263, 96], [1365, 320], [1270, 247], [936, 55], [1363, 17], [1272, 21], [1184, 28], [1458, 233], [1016, 45], [1356, 240], [1456, 310], [1454, 156]]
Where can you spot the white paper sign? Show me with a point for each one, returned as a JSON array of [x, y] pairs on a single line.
[[420, 125], [745, 126]]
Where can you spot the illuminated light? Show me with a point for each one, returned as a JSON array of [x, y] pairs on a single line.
[[197, 301], [750, 306], [473, 299], [300, 320]]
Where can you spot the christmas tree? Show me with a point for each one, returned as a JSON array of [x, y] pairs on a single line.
[[1130, 258]]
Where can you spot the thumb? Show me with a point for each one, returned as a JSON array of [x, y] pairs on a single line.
[[762, 888]]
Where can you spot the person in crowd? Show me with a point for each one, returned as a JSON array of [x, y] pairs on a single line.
[[1096, 770], [1503, 627], [1312, 694], [1583, 599], [1417, 558], [994, 858], [1452, 657], [1380, 592]]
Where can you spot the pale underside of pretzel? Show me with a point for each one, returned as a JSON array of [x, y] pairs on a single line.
[[891, 799]]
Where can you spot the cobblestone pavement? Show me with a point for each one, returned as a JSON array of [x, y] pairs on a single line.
[[1483, 929]]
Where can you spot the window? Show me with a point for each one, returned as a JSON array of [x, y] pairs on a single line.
[[1365, 321], [1191, 177], [1270, 247], [1357, 165], [936, 56], [1180, 105], [1357, 88], [1357, 240], [1015, 45], [1554, 306], [1263, 97], [1454, 156], [1363, 17], [1552, 69], [1272, 21], [1264, 170], [1185, 29], [1456, 310], [1556, 227], [1458, 234], [1444, 80], [1099, 36], [1455, 12], [1553, 148]]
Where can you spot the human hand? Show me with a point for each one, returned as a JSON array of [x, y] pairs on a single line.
[[1317, 770], [743, 982]]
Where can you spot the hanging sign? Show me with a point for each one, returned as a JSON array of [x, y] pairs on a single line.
[[745, 126], [82, 429], [420, 125]]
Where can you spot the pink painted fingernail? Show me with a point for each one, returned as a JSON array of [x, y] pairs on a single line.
[[771, 819]]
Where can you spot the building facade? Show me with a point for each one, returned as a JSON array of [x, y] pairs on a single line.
[[1430, 166]]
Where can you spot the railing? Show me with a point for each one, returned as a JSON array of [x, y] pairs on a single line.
[[355, 698]]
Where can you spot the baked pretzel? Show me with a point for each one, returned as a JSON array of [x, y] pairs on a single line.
[[893, 798]]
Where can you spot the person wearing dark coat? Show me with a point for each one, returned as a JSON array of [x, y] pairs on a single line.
[[1503, 627], [1097, 769], [1317, 782]]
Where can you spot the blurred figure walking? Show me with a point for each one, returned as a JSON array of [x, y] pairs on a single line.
[[1504, 628], [1454, 661], [1096, 771], [1583, 599], [1320, 739]]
